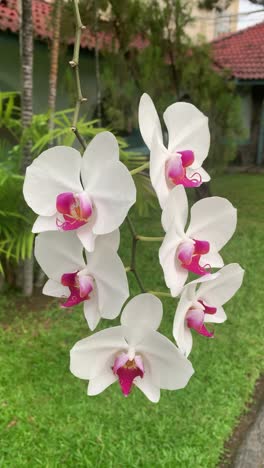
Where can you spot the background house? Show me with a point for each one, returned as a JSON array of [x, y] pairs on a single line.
[[10, 63], [211, 24], [243, 54]]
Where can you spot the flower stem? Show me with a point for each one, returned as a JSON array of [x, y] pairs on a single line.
[[160, 294], [74, 63], [139, 169], [132, 267], [150, 239]]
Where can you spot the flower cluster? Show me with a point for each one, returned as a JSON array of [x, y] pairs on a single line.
[[82, 200]]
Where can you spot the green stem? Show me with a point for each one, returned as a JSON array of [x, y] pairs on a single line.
[[139, 169], [132, 267], [160, 294], [74, 63], [150, 239]]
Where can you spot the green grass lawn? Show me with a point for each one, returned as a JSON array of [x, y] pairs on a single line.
[[46, 418]]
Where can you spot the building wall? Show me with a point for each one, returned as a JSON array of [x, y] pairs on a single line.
[[211, 24], [10, 75]]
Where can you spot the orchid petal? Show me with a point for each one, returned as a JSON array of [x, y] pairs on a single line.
[[111, 240], [182, 334], [213, 259], [185, 252], [169, 369], [93, 356], [213, 219], [55, 171], [133, 336], [108, 183], [190, 287], [199, 172], [187, 158], [174, 170], [195, 320], [58, 253], [87, 237], [149, 389], [175, 210], [148, 119], [112, 196], [101, 382], [55, 289], [188, 130], [174, 274], [126, 376], [91, 311], [120, 361], [85, 284], [143, 311], [111, 280], [218, 317], [158, 157], [221, 289], [45, 223], [102, 150]]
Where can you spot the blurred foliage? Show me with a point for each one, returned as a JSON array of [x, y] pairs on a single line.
[[16, 239], [218, 5], [155, 55]]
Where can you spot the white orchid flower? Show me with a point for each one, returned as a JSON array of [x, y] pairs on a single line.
[[204, 305], [90, 194], [188, 145], [212, 224], [100, 281], [133, 353]]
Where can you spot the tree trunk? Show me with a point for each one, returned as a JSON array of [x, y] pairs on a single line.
[[97, 69], [26, 52], [54, 62], [53, 80], [26, 38], [2, 282]]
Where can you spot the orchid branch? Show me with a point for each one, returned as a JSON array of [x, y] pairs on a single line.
[[160, 294], [74, 63], [139, 169], [132, 266], [150, 239]]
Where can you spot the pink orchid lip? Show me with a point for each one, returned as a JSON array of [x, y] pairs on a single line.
[[176, 170], [127, 370], [195, 320], [189, 254], [76, 209], [80, 287], [207, 308]]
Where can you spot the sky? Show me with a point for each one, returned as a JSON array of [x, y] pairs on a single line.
[[246, 18]]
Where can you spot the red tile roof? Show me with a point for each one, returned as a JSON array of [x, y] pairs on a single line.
[[9, 20], [242, 53]]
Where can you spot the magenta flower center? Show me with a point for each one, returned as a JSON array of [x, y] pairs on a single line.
[[176, 170], [75, 208], [80, 287], [127, 370], [189, 253], [195, 318]]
